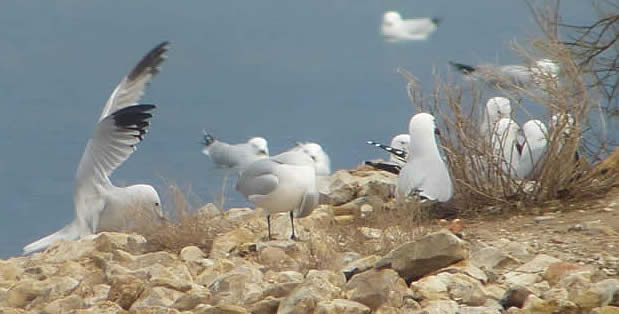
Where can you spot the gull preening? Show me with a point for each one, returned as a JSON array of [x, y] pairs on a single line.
[[282, 183], [122, 125], [394, 28], [425, 172], [234, 156], [321, 160], [510, 77]]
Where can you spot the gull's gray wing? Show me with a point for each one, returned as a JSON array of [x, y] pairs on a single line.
[[310, 201], [131, 87], [112, 142], [258, 179]]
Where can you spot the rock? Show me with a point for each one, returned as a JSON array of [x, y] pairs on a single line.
[[491, 258], [515, 297], [156, 296], [64, 305], [240, 286], [439, 307], [464, 289], [9, 273], [415, 259], [188, 302], [105, 307], [373, 287], [177, 278], [342, 188], [539, 264], [96, 294], [557, 271], [125, 290], [518, 250], [267, 305], [598, 294], [342, 306], [359, 265], [540, 219], [605, 310], [135, 262], [430, 288], [155, 310], [319, 285], [24, 291], [226, 243], [276, 259], [192, 254], [518, 279], [222, 309], [478, 310]]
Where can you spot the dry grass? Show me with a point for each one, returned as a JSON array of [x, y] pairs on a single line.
[[190, 227], [398, 224], [478, 178]]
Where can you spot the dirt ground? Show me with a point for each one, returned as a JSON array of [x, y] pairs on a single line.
[[586, 232]]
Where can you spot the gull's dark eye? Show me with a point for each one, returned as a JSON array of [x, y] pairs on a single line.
[[313, 157], [156, 203]]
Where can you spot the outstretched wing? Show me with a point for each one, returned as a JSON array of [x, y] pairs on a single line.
[[111, 143], [131, 87]]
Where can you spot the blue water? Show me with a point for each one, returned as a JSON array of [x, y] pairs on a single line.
[[285, 70]]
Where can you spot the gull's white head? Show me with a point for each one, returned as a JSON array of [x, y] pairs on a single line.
[[391, 18], [147, 199], [259, 144], [321, 160], [401, 141], [498, 108], [422, 129]]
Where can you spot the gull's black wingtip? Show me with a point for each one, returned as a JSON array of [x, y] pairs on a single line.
[[466, 69], [134, 118], [208, 138]]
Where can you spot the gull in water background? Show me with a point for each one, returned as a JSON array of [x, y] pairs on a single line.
[[98, 203], [234, 156], [321, 160], [425, 172], [507, 77], [533, 149], [282, 183], [497, 108], [394, 28]]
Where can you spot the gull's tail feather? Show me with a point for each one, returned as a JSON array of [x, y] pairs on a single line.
[[208, 139], [465, 69], [436, 21], [393, 168], [392, 150], [68, 232]]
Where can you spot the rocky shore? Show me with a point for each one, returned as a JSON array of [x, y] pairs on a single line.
[[450, 267]]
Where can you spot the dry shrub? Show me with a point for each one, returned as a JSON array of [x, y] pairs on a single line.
[[399, 223], [564, 171], [189, 227]]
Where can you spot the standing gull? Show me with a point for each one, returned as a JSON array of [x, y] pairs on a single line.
[[321, 160], [121, 126], [394, 28], [234, 156], [425, 172], [285, 182]]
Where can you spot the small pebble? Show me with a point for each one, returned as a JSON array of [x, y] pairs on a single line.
[[539, 219]]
